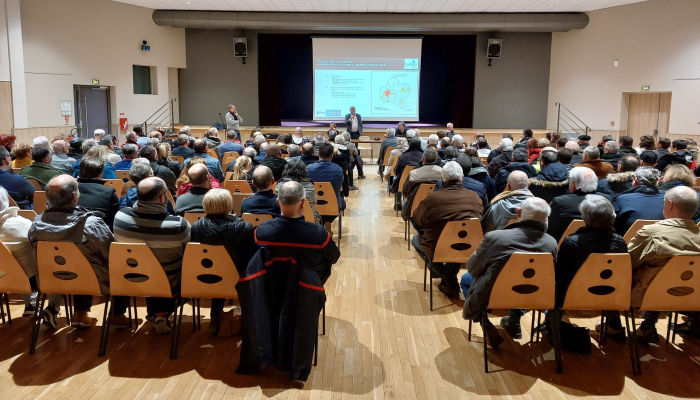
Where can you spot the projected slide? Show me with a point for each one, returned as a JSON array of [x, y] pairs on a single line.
[[380, 87]]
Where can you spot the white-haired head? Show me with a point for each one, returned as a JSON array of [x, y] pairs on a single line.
[[40, 141], [390, 132], [452, 172], [518, 180], [591, 153], [339, 139], [506, 144], [457, 141], [680, 202], [583, 179], [433, 139], [411, 133], [534, 209], [597, 211], [612, 146], [572, 145], [298, 130], [98, 133]]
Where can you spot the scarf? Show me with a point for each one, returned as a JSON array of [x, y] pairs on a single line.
[[150, 207], [504, 195]]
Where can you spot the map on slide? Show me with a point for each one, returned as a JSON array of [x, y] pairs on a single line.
[[395, 92]]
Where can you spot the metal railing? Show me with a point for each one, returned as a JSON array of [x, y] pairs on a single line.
[[569, 123], [164, 117]]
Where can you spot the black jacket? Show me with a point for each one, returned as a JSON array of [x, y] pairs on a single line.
[[412, 156], [682, 157], [611, 158], [640, 202], [494, 153], [174, 167], [564, 211], [489, 183], [615, 183], [262, 202], [499, 162], [625, 150], [166, 175], [95, 196], [554, 172], [576, 158], [276, 164], [307, 159], [576, 248], [522, 143], [231, 232], [501, 180]]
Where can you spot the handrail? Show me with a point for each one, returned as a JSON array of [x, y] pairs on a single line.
[[161, 107], [165, 114], [565, 118]]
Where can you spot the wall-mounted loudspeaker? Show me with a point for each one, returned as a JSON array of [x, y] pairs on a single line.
[[494, 48], [240, 47]]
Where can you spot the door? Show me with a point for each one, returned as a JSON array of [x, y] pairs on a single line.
[[648, 114], [92, 111]]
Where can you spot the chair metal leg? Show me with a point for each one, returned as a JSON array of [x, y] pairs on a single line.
[[2, 297], [469, 335], [539, 324], [630, 346], [425, 275], [668, 326], [603, 326], [69, 308], [484, 318], [194, 315], [636, 343], [431, 293], [176, 332], [316, 348], [65, 302], [129, 308], [104, 336], [37, 322], [675, 325], [532, 326], [199, 314], [7, 305], [340, 226], [408, 236], [556, 324], [324, 319], [136, 316]]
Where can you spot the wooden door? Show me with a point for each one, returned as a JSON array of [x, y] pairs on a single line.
[[648, 114]]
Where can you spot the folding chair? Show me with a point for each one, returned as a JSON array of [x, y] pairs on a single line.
[[12, 280], [213, 153], [604, 282], [237, 186], [134, 271], [227, 158], [404, 175], [573, 227], [123, 175], [237, 200], [193, 217], [256, 219], [366, 146], [169, 196], [636, 226], [28, 214], [179, 159], [309, 213], [457, 242], [327, 204], [392, 175], [385, 160], [423, 191], [526, 281], [117, 184]]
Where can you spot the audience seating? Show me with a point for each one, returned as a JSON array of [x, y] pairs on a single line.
[[457, 242], [404, 175], [227, 158], [228, 175], [573, 227], [193, 217], [134, 271], [40, 201], [237, 200], [117, 184], [392, 175], [256, 219], [308, 213], [240, 186], [327, 204], [28, 214], [636, 226], [16, 170], [523, 271], [604, 282], [12, 280], [385, 161], [123, 175], [213, 153], [366, 146], [35, 183], [423, 191], [179, 159], [170, 197], [13, 203]]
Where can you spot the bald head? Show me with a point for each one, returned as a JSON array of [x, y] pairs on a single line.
[[62, 192], [518, 180], [200, 146], [151, 190], [262, 178], [60, 147], [680, 202], [199, 175]]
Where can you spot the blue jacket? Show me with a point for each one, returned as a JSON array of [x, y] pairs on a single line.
[[260, 157], [19, 188], [326, 171], [123, 165], [262, 202], [473, 185], [230, 146], [501, 179], [484, 178], [554, 172], [641, 202], [107, 173], [213, 165]]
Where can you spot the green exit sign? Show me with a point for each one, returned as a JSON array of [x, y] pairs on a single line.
[[95, 81], [647, 88]]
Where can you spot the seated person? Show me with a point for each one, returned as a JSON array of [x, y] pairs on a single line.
[[221, 228], [18, 187], [213, 164], [66, 221], [484, 266], [274, 161], [41, 169], [183, 181], [296, 171], [264, 201], [130, 152], [553, 178], [307, 154], [468, 183], [23, 155], [140, 170], [453, 202], [430, 172], [591, 159], [479, 174], [326, 171], [643, 201], [160, 171], [94, 195], [192, 200], [504, 205], [60, 158], [231, 145], [182, 150], [611, 154], [135, 225], [618, 182], [519, 163]]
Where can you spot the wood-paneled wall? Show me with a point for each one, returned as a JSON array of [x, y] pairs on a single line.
[[6, 123]]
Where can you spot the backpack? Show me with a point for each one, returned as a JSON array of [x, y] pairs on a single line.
[[574, 338]]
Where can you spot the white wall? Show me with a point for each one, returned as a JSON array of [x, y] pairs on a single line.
[[69, 42], [656, 43]]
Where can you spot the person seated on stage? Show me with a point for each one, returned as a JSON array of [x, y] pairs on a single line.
[[503, 206], [274, 161], [60, 158], [298, 138], [565, 208], [524, 138], [642, 201], [221, 228], [480, 174], [18, 187], [451, 203], [308, 154], [389, 141], [264, 201], [160, 171], [618, 182], [294, 152], [231, 144], [518, 163], [326, 171], [183, 181], [94, 194], [130, 152], [211, 136], [214, 166], [429, 173], [41, 169], [192, 200], [66, 221], [527, 235], [612, 153], [140, 170], [401, 129], [135, 225], [183, 150]]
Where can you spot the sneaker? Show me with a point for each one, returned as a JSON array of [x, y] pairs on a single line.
[[49, 317], [214, 324], [353, 187], [448, 291], [28, 312], [494, 338], [81, 319], [650, 336], [119, 321], [513, 330], [161, 323], [361, 176]]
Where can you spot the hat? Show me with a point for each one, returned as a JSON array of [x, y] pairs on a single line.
[[648, 157], [584, 137], [607, 138], [76, 143]]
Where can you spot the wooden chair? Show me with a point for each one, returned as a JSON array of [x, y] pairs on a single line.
[[36, 184], [227, 158], [675, 288], [134, 271], [179, 159], [366, 146], [13, 203], [385, 161], [525, 282], [28, 214], [213, 153], [228, 175], [327, 204], [256, 219], [117, 184], [309, 213], [237, 186], [40, 202], [404, 176], [207, 273], [16, 170], [193, 217], [123, 175], [237, 200], [604, 282], [12, 280], [636, 226], [457, 242], [423, 191], [63, 269], [170, 197], [392, 175], [573, 227]]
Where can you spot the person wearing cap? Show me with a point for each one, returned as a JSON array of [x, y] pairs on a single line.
[[648, 158], [583, 142]]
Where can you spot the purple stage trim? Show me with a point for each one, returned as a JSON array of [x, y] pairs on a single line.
[[341, 124]]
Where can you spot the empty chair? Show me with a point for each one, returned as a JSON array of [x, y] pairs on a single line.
[[327, 203], [573, 227], [636, 226], [423, 191], [237, 186], [256, 219], [192, 217], [366, 146]]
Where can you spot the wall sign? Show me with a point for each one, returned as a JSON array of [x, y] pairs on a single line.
[[95, 81], [647, 87], [66, 107]]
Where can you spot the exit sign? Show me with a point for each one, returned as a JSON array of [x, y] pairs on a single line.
[[647, 88], [95, 81]]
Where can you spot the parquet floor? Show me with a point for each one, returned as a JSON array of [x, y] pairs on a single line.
[[382, 342]]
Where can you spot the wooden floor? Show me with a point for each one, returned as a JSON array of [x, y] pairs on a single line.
[[382, 342]]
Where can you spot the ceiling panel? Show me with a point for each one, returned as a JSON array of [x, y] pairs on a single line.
[[390, 6]]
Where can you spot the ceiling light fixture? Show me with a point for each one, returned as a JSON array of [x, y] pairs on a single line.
[[550, 4], [188, 2], [434, 5], [302, 4]]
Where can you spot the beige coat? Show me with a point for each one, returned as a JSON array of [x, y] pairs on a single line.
[[654, 245]]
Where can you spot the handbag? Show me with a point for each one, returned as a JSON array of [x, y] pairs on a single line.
[[574, 338], [231, 323]]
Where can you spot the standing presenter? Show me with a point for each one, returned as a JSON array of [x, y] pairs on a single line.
[[354, 123], [233, 121]]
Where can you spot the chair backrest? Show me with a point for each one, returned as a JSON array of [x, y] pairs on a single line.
[[241, 186], [117, 184], [228, 175], [392, 170], [12, 276], [573, 227], [309, 213], [135, 271], [208, 273], [123, 175], [604, 282], [59, 276], [327, 202], [13, 203], [28, 214], [179, 159], [192, 217], [676, 287], [636, 226], [526, 281], [227, 158], [385, 161], [40, 201], [16, 170], [256, 219], [170, 197], [237, 200], [213, 153], [458, 241], [404, 175], [423, 191], [697, 182], [35, 183]]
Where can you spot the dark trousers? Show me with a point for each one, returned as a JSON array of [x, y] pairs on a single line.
[[160, 305], [84, 303], [446, 271], [466, 282]]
